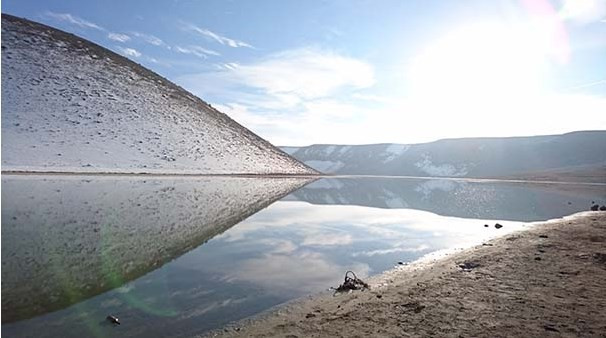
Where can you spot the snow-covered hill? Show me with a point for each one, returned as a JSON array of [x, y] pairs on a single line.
[[468, 157], [70, 105]]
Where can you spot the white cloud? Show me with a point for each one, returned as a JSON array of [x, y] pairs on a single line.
[[197, 51], [307, 73], [588, 85], [118, 37], [129, 52], [216, 37], [413, 121], [289, 76], [305, 96], [66, 17], [151, 39], [293, 90], [585, 11]]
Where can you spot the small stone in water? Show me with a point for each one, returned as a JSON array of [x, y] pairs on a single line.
[[113, 319]]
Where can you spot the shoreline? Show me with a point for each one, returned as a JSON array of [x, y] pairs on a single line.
[[25, 173], [544, 280]]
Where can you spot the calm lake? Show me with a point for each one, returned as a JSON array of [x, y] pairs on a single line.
[[177, 256]]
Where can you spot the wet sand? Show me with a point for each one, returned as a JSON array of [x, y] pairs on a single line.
[[547, 281]]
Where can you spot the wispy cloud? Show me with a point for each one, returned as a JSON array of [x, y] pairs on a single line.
[[307, 73], [151, 39], [129, 52], [303, 73], [286, 91], [118, 37], [216, 37], [306, 96], [74, 20], [587, 85], [197, 51]]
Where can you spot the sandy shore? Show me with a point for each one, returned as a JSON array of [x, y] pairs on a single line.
[[547, 281]]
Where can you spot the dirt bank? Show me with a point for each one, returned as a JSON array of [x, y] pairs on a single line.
[[549, 280]]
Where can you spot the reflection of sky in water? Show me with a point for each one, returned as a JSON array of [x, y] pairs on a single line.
[[285, 251], [288, 250]]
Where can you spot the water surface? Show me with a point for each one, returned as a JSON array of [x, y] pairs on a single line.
[[178, 256]]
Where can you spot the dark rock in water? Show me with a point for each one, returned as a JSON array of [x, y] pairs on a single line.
[[498, 226], [113, 319], [603, 208], [400, 263], [569, 203], [595, 207], [486, 225]]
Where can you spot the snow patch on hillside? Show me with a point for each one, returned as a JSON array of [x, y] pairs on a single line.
[[442, 170], [328, 150], [393, 151]]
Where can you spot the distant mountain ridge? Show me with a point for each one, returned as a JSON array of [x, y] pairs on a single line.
[[465, 157], [73, 106]]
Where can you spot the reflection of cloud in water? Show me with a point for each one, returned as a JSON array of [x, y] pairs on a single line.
[[300, 273], [280, 246], [309, 247], [419, 248], [339, 225], [328, 239]]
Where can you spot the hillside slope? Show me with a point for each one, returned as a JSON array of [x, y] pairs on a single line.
[[71, 105], [466, 157]]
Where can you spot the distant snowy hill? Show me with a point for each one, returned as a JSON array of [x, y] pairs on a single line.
[[71, 105], [535, 156]]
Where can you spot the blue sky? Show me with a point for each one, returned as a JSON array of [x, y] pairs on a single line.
[[362, 71]]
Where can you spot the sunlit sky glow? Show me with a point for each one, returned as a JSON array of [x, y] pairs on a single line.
[[356, 72]]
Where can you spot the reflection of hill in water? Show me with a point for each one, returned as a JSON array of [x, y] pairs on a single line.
[[457, 198], [68, 238]]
